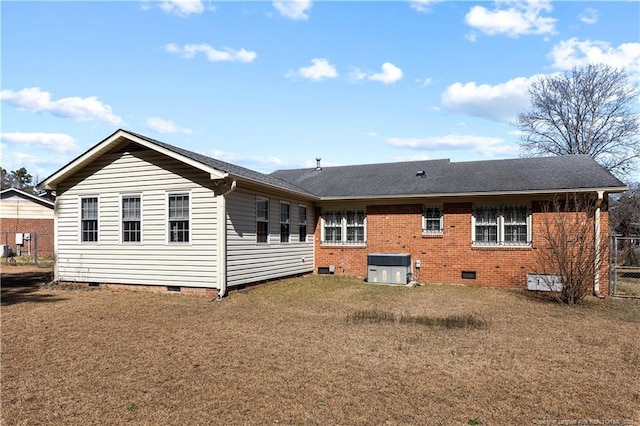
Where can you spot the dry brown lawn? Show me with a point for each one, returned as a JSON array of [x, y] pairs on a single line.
[[286, 353]]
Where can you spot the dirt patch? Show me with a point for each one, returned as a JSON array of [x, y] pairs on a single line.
[[290, 353]]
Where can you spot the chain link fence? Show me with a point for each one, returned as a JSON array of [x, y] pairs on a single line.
[[625, 266], [27, 248]]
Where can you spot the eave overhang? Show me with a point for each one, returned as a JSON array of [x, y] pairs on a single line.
[[107, 145], [614, 189]]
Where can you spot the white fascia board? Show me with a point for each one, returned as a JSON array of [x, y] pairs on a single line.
[[479, 194], [300, 193], [52, 181]]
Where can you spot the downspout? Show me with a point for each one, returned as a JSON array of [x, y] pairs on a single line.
[[596, 277], [222, 240]]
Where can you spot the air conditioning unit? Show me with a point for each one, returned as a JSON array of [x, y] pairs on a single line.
[[389, 268], [544, 282]]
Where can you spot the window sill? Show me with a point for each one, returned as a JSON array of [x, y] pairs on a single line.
[[524, 247], [343, 245], [432, 235]]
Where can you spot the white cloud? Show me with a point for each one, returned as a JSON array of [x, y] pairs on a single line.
[[500, 102], [356, 74], [81, 109], [483, 145], [319, 69], [513, 18], [165, 126], [589, 16], [254, 162], [57, 142], [390, 74], [423, 6], [227, 54], [575, 53], [298, 10], [182, 8], [424, 82]]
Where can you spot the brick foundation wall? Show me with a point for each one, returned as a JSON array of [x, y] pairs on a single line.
[[193, 291], [43, 227], [398, 229]]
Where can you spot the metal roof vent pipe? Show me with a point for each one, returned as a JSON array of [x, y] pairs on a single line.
[[318, 167], [421, 173]]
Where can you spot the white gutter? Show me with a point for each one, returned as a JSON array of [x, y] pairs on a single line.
[[222, 234], [476, 194], [596, 277]]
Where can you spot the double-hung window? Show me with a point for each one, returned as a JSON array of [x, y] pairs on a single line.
[[501, 226], [262, 220], [179, 206], [302, 224], [89, 219], [344, 227], [131, 219], [285, 222], [432, 220]]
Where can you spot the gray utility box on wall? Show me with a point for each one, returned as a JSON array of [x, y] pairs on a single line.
[[389, 268]]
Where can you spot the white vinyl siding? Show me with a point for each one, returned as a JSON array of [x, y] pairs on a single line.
[[22, 208], [155, 262], [249, 261]]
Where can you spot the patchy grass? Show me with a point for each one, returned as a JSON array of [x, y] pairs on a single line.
[[283, 353], [629, 281]]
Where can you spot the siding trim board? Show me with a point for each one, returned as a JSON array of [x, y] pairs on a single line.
[[219, 246]]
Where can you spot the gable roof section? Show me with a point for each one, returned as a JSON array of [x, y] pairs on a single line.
[[568, 173], [216, 168], [430, 178], [9, 193]]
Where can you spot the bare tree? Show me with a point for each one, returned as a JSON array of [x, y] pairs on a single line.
[[568, 247], [589, 110]]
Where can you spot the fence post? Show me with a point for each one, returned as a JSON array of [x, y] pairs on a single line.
[[35, 248]]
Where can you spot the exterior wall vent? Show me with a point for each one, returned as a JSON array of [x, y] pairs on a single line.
[[326, 270], [468, 275], [544, 282], [173, 288]]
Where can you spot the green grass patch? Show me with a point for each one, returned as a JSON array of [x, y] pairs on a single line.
[[469, 321]]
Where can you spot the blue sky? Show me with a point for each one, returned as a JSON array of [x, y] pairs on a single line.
[[273, 85]]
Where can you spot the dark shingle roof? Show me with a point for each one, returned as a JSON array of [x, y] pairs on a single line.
[[223, 166], [445, 177]]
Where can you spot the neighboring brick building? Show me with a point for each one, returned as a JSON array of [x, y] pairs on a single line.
[[24, 218]]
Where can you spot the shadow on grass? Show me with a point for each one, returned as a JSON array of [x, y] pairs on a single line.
[[23, 288]]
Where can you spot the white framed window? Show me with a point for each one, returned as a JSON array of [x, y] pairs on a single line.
[[344, 227], [285, 222], [432, 220], [179, 217], [262, 220], [131, 218], [302, 224], [89, 215], [501, 226]]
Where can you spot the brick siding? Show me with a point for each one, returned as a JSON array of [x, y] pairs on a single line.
[[398, 229], [9, 227]]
